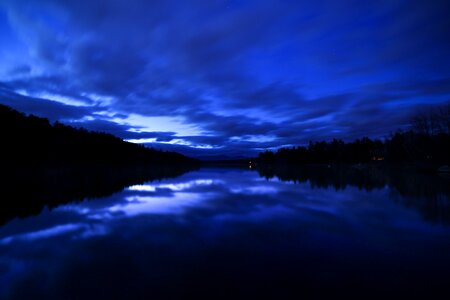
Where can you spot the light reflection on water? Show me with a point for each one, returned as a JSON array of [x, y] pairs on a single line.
[[227, 230]]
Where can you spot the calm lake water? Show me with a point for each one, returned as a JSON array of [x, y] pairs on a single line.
[[228, 233]]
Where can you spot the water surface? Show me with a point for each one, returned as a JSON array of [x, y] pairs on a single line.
[[224, 233]]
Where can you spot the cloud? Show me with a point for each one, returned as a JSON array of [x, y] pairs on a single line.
[[42, 107], [279, 73], [126, 132]]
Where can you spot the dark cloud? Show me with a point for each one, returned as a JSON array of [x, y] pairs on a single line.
[[247, 74], [21, 70], [57, 85], [42, 107], [126, 132], [430, 87]]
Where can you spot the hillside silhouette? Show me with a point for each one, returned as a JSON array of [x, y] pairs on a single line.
[[426, 143], [47, 165], [28, 140], [428, 193], [27, 191]]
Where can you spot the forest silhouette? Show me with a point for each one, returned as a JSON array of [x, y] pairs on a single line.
[[27, 191], [46, 165], [28, 140], [427, 142], [425, 192]]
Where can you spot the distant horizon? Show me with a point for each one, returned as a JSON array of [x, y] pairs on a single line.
[[202, 154], [433, 123], [226, 78]]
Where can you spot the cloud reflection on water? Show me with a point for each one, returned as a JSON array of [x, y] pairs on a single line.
[[219, 219], [220, 195]]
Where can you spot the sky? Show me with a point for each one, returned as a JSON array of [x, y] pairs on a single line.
[[221, 77]]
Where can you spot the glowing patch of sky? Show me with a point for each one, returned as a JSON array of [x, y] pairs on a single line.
[[254, 138], [99, 99], [161, 124], [187, 143], [53, 97], [172, 142]]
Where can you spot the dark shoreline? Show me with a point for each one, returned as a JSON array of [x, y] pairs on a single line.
[[26, 191]]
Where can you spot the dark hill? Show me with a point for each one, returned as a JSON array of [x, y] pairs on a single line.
[[28, 140]]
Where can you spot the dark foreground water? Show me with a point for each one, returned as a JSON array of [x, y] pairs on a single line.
[[230, 233]]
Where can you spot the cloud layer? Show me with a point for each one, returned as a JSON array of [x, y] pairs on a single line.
[[226, 76]]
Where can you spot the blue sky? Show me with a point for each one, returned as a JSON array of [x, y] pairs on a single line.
[[226, 77]]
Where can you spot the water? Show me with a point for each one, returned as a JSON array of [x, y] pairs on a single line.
[[228, 233]]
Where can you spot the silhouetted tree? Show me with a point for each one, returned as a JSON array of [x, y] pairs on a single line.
[[428, 141], [433, 122], [30, 140]]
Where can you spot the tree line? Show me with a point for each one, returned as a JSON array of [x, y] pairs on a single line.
[[30, 140], [51, 187], [427, 140], [420, 190]]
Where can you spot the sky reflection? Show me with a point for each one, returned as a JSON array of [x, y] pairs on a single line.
[[225, 225], [225, 195]]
